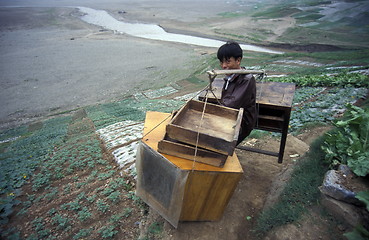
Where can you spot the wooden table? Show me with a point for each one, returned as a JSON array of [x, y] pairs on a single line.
[[199, 192], [274, 104]]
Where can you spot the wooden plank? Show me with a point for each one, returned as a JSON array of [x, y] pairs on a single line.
[[275, 93], [207, 195], [216, 72], [274, 118], [188, 152]]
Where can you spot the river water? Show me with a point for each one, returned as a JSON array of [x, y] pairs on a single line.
[[154, 32]]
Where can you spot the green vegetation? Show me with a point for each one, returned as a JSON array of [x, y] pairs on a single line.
[[349, 143], [231, 14], [300, 192], [154, 231], [108, 232], [335, 58], [128, 109], [364, 197], [313, 24], [61, 161], [23, 157], [359, 232], [277, 11]]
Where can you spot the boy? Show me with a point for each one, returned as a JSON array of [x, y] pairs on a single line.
[[239, 90]]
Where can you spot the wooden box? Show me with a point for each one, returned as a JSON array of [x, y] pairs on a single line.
[[214, 128], [178, 149], [198, 192]]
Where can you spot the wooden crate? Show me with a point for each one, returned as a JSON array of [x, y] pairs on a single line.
[[216, 129], [207, 189], [178, 149]]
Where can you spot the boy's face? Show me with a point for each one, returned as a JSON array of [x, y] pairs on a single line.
[[230, 63]]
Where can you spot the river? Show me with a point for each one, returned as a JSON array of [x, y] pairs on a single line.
[[155, 32]]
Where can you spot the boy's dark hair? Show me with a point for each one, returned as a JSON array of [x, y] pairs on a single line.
[[228, 50]]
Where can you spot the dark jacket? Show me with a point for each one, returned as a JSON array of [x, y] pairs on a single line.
[[239, 91]]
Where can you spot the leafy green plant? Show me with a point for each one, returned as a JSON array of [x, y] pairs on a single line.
[[84, 214], [108, 232], [83, 233], [127, 212], [114, 196], [363, 196], [67, 189], [102, 206], [324, 107], [92, 198], [72, 206], [359, 232], [338, 80], [38, 225], [103, 176], [156, 228], [51, 212], [23, 211], [115, 218], [41, 180], [349, 143], [60, 221]]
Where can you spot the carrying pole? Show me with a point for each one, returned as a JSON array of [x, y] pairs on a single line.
[[214, 73]]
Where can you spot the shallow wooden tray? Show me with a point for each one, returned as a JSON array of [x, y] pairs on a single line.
[[216, 129]]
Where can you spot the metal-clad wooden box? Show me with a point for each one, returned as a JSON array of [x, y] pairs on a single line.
[[214, 127], [206, 191]]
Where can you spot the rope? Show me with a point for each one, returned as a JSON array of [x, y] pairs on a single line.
[[157, 125], [198, 133]]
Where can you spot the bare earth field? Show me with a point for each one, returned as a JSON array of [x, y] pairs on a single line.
[[57, 63]]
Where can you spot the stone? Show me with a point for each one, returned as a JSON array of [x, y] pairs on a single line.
[[332, 186], [346, 212]]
